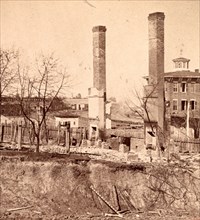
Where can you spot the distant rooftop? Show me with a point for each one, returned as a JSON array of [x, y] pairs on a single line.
[[183, 73], [76, 100], [181, 59], [181, 63]]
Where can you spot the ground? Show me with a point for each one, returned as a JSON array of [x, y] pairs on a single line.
[[79, 157]]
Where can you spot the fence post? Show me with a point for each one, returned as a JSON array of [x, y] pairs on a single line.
[[19, 135], [2, 132], [15, 132], [11, 131], [6, 127], [58, 135], [67, 137]]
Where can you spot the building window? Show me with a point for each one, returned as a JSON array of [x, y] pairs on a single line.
[[73, 107], [192, 87], [175, 87], [183, 105], [197, 87], [193, 104], [175, 105], [183, 87]]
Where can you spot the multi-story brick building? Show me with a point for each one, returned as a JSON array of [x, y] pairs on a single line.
[[182, 90]]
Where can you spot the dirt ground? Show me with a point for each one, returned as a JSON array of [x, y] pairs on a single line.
[[115, 160], [167, 215]]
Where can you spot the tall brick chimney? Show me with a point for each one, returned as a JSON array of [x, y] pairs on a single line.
[[154, 91], [97, 94], [99, 57], [156, 47]]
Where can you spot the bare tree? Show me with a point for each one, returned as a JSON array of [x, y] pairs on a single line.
[[8, 74], [145, 107], [39, 90], [142, 107]]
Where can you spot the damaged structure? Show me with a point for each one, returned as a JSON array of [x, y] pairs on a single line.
[[97, 94]]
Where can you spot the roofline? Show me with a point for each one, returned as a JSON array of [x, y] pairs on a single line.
[[182, 76]]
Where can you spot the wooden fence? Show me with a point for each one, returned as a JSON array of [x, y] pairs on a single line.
[[9, 133], [187, 145]]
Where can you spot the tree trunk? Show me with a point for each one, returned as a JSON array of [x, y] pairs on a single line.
[[38, 143]]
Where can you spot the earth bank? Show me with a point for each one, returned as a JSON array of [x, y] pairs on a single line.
[[61, 188]]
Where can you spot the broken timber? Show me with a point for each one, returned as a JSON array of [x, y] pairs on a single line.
[[127, 201], [106, 202], [116, 198], [20, 208]]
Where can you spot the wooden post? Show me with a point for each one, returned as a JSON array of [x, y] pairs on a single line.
[[67, 136], [81, 136], [2, 132], [15, 132], [58, 135], [188, 127], [6, 128], [11, 131], [19, 142]]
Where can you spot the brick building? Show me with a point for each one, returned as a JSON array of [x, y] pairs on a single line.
[[182, 90], [172, 100]]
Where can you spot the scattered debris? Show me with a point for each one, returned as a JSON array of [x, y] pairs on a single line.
[[155, 212], [113, 215], [20, 208], [116, 198], [106, 202]]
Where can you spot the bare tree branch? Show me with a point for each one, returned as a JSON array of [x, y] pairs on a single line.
[[44, 87]]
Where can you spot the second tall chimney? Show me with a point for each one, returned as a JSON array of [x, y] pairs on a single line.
[[156, 46], [156, 73], [99, 57]]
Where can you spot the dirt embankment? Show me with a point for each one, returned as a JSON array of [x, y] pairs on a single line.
[[60, 188]]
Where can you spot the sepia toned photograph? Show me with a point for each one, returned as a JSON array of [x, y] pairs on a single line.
[[99, 109]]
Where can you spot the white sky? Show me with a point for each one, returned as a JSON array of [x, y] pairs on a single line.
[[65, 27]]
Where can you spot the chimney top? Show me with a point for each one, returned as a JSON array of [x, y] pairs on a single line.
[[99, 29], [156, 15]]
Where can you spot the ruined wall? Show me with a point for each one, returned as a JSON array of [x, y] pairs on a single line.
[[137, 144]]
